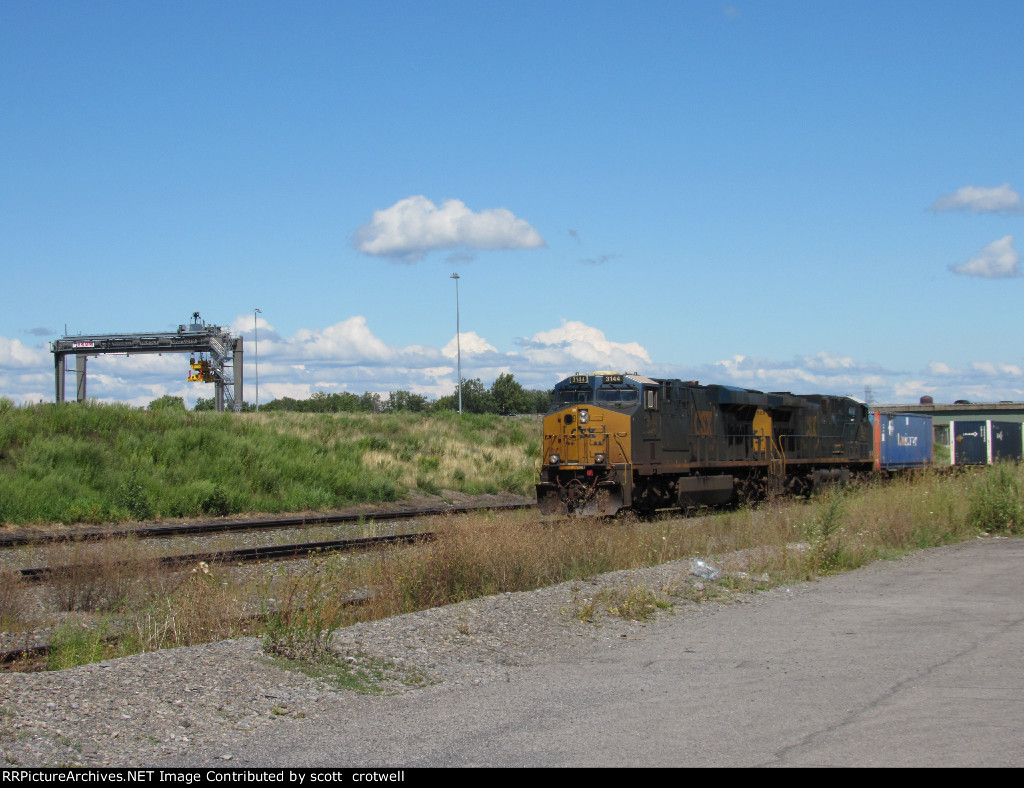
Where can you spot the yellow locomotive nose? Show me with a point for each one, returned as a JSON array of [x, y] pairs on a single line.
[[581, 438]]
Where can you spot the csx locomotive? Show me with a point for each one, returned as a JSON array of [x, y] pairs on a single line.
[[615, 440]]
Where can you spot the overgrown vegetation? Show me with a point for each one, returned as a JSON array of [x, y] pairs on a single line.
[[92, 463], [630, 602], [111, 611]]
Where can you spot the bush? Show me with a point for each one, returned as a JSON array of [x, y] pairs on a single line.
[[132, 497], [995, 501], [167, 402]]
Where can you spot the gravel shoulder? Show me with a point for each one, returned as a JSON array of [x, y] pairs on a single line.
[[915, 662], [202, 704]]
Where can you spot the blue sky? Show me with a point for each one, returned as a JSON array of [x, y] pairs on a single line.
[[787, 195]]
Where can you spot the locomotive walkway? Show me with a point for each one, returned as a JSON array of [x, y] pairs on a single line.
[[917, 662]]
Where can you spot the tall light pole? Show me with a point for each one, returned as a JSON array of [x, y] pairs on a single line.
[[256, 342], [458, 339]]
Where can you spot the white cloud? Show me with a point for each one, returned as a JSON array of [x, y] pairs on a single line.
[[349, 342], [469, 343], [941, 368], [347, 356], [906, 391], [980, 199], [269, 391], [821, 373], [830, 361], [979, 381], [998, 260], [996, 370], [244, 324], [14, 353], [414, 226], [576, 346]]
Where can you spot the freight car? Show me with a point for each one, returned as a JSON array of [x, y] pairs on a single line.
[[903, 441], [615, 440]]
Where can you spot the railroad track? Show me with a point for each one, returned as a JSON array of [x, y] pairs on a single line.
[[249, 555], [35, 656], [220, 526], [29, 657]]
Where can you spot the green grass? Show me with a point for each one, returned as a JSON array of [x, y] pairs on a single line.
[[471, 556], [92, 463], [357, 672]]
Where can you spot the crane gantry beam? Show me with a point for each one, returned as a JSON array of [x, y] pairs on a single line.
[[225, 353]]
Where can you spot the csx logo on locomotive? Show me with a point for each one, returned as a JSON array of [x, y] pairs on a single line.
[[615, 440]]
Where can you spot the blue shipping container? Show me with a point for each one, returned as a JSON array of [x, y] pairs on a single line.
[[902, 440]]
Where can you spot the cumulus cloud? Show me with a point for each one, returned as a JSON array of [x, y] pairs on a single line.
[[469, 343], [998, 260], [576, 346], [244, 325], [941, 368], [980, 199], [15, 353], [414, 226], [348, 356], [349, 341]]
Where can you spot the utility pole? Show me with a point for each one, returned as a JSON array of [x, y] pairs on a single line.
[[458, 339], [256, 342]]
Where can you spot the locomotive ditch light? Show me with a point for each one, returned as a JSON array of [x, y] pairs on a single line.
[[554, 459], [584, 416], [599, 459]]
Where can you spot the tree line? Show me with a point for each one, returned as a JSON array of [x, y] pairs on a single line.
[[505, 396]]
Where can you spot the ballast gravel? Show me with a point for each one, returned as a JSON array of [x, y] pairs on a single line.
[[199, 705]]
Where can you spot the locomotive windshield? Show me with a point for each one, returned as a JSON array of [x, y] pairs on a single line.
[[569, 396], [611, 391], [617, 395]]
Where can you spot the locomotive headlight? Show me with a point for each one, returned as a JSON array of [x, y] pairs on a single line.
[[599, 459], [584, 416], [554, 459]]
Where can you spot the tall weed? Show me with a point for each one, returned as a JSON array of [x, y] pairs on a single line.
[[12, 599], [307, 608], [185, 608], [96, 576], [995, 500]]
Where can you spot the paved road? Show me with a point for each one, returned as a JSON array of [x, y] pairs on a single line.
[[918, 662]]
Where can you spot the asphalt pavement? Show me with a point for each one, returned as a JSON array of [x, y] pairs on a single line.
[[916, 662]]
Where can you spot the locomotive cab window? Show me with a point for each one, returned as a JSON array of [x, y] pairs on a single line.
[[651, 399], [617, 395]]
